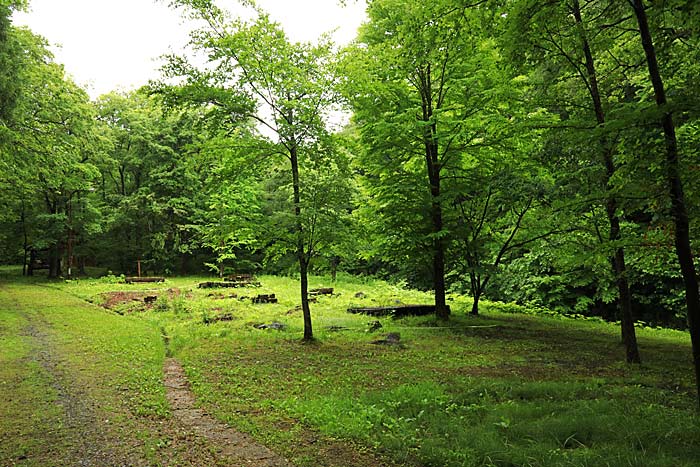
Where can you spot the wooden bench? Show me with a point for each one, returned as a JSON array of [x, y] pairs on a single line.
[[39, 264]]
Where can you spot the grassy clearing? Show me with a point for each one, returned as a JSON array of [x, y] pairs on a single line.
[[81, 385], [127, 353], [500, 389]]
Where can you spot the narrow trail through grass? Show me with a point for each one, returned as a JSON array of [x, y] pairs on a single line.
[[56, 417], [238, 447]]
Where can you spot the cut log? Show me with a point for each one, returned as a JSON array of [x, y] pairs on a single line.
[[133, 280], [221, 317], [239, 278], [395, 311], [242, 280], [273, 325], [321, 291], [393, 338], [216, 285]]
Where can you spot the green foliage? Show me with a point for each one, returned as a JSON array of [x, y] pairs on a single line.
[[199, 175], [49, 153], [287, 91], [10, 61], [111, 279]]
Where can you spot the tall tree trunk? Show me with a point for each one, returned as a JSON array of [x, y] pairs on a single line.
[[301, 253], [679, 212], [432, 159], [442, 311], [624, 301]]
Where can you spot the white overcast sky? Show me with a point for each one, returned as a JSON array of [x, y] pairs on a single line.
[[109, 45]]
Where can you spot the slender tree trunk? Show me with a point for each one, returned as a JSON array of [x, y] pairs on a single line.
[[476, 295], [679, 211], [304, 276], [32, 260], [25, 245], [301, 254], [69, 258], [479, 287], [432, 159], [442, 311], [473, 288], [55, 250], [221, 262], [629, 335], [624, 300], [334, 267]]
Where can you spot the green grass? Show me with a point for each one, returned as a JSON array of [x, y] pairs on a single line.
[[27, 407], [501, 389], [56, 347]]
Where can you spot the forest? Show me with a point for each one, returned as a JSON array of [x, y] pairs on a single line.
[[528, 168], [537, 152]]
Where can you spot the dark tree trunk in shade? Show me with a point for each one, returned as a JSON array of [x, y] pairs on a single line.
[[433, 168], [54, 262], [679, 212], [624, 300], [304, 275], [475, 304]]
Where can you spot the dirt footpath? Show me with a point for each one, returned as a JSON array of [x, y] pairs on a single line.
[[237, 446], [89, 429]]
